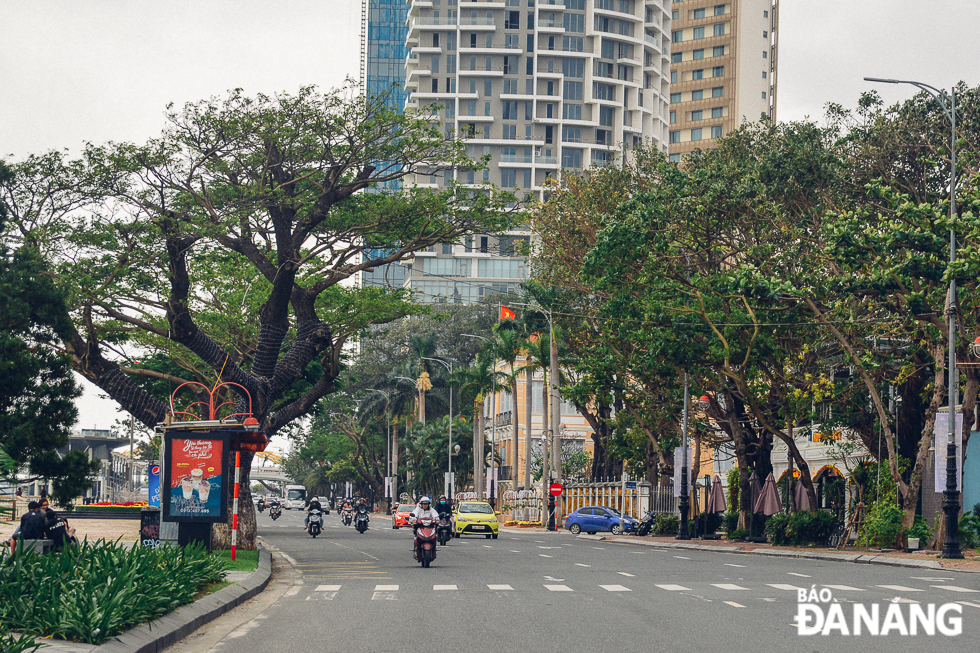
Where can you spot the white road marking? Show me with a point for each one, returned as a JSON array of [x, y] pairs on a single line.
[[541, 554], [682, 557], [615, 588], [512, 551], [728, 586], [935, 579], [599, 548], [293, 591], [622, 573], [579, 564], [674, 588], [385, 588], [972, 605], [844, 588], [783, 586], [954, 588], [288, 558], [899, 599], [728, 564], [500, 588], [486, 546], [548, 547], [895, 588], [559, 588], [328, 588], [439, 588], [733, 604], [790, 573]]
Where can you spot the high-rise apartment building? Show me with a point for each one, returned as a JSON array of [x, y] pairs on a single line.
[[537, 86], [722, 71]]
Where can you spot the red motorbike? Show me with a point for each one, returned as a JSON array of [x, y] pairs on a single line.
[[425, 541]]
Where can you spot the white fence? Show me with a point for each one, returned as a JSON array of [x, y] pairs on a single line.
[[634, 501]]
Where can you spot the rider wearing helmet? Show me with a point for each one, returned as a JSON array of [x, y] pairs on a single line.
[[443, 505], [313, 505], [422, 511]]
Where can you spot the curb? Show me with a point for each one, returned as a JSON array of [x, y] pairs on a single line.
[[827, 557], [169, 629], [586, 536]]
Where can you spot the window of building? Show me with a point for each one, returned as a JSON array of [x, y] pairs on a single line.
[[697, 115], [675, 137], [486, 108], [676, 57], [572, 111], [720, 29], [698, 54], [696, 134], [574, 23], [571, 157], [673, 77], [450, 110], [502, 268], [765, 34], [606, 116], [571, 134], [451, 41], [435, 39], [572, 91], [607, 50], [719, 10], [530, 19], [675, 98], [508, 177], [718, 51], [473, 40], [605, 91], [512, 65], [530, 42], [512, 20], [675, 158], [763, 74], [698, 13], [674, 15], [698, 33], [763, 95], [718, 71], [510, 110], [549, 133], [512, 41], [765, 55], [697, 74], [435, 85], [697, 95], [573, 67], [718, 91], [510, 131], [677, 36], [447, 248], [717, 112], [673, 117], [716, 131]]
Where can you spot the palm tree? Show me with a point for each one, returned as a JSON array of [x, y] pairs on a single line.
[[508, 346], [475, 383]]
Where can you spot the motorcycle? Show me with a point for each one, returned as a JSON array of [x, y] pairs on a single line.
[[261, 506], [275, 511], [362, 522], [425, 541], [316, 523], [348, 516], [646, 524], [444, 529]]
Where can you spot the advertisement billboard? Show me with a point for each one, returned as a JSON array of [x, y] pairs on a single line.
[[153, 485], [196, 485]]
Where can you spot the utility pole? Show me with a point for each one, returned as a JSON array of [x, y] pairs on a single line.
[[132, 424], [555, 417]]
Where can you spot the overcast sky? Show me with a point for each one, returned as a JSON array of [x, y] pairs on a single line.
[[100, 70]]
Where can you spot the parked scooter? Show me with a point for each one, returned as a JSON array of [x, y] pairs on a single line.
[[445, 529], [646, 524], [348, 516], [362, 522], [425, 541], [316, 523]]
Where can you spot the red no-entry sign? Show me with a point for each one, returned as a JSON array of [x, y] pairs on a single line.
[[556, 489]]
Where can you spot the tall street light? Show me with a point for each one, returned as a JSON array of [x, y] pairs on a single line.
[[388, 451], [951, 497], [493, 430], [682, 533], [449, 477]]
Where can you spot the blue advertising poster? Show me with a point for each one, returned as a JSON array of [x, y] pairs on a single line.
[[153, 486]]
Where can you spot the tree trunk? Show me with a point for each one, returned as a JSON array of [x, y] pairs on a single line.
[[516, 428], [221, 533], [394, 461], [528, 405]]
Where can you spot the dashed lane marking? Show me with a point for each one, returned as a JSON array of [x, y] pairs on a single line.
[[559, 588], [623, 573], [790, 573], [728, 564], [674, 588], [954, 588], [844, 588], [682, 557], [783, 586], [972, 605], [439, 588], [385, 588], [545, 556], [733, 604], [899, 588], [728, 586], [615, 588], [327, 588], [579, 564], [500, 588]]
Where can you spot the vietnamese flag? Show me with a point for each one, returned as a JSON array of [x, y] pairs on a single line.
[[507, 314]]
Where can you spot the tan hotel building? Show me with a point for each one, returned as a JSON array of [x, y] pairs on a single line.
[[722, 71]]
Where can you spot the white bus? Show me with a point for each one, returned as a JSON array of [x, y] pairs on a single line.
[[295, 497]]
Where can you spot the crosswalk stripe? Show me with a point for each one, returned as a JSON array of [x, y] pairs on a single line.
[[327, 588], [559, 588], [728, 586], [844, 588], [733, 604], [899, 588], [500, 588], [385, 588], [439, 588], [954, 588], [674, 588], [783, 586], [615, 588]]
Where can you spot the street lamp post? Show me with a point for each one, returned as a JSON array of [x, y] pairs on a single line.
[[951, 497], [493, 430], [388, 450], [449, 477], [682, 533]]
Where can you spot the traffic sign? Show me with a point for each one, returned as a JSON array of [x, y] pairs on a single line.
[[556, 489], [630, 485]]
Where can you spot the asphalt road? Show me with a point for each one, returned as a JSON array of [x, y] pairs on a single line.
[[547, 592]]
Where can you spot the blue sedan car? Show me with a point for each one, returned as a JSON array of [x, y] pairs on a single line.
[[593, 519]]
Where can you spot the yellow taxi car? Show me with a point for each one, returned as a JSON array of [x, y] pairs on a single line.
[[475, 518]]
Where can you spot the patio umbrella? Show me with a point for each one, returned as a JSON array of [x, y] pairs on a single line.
[[755, 489], [801, 497], [768, 502], [716, 500]]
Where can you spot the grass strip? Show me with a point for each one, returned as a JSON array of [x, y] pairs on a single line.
[[244, 560]]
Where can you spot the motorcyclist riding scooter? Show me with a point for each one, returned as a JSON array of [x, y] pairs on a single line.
[[422, 511], [314, 504], [444, 508], [362, 516]]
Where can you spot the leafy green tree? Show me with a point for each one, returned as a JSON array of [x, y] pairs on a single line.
[[228, 237]]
